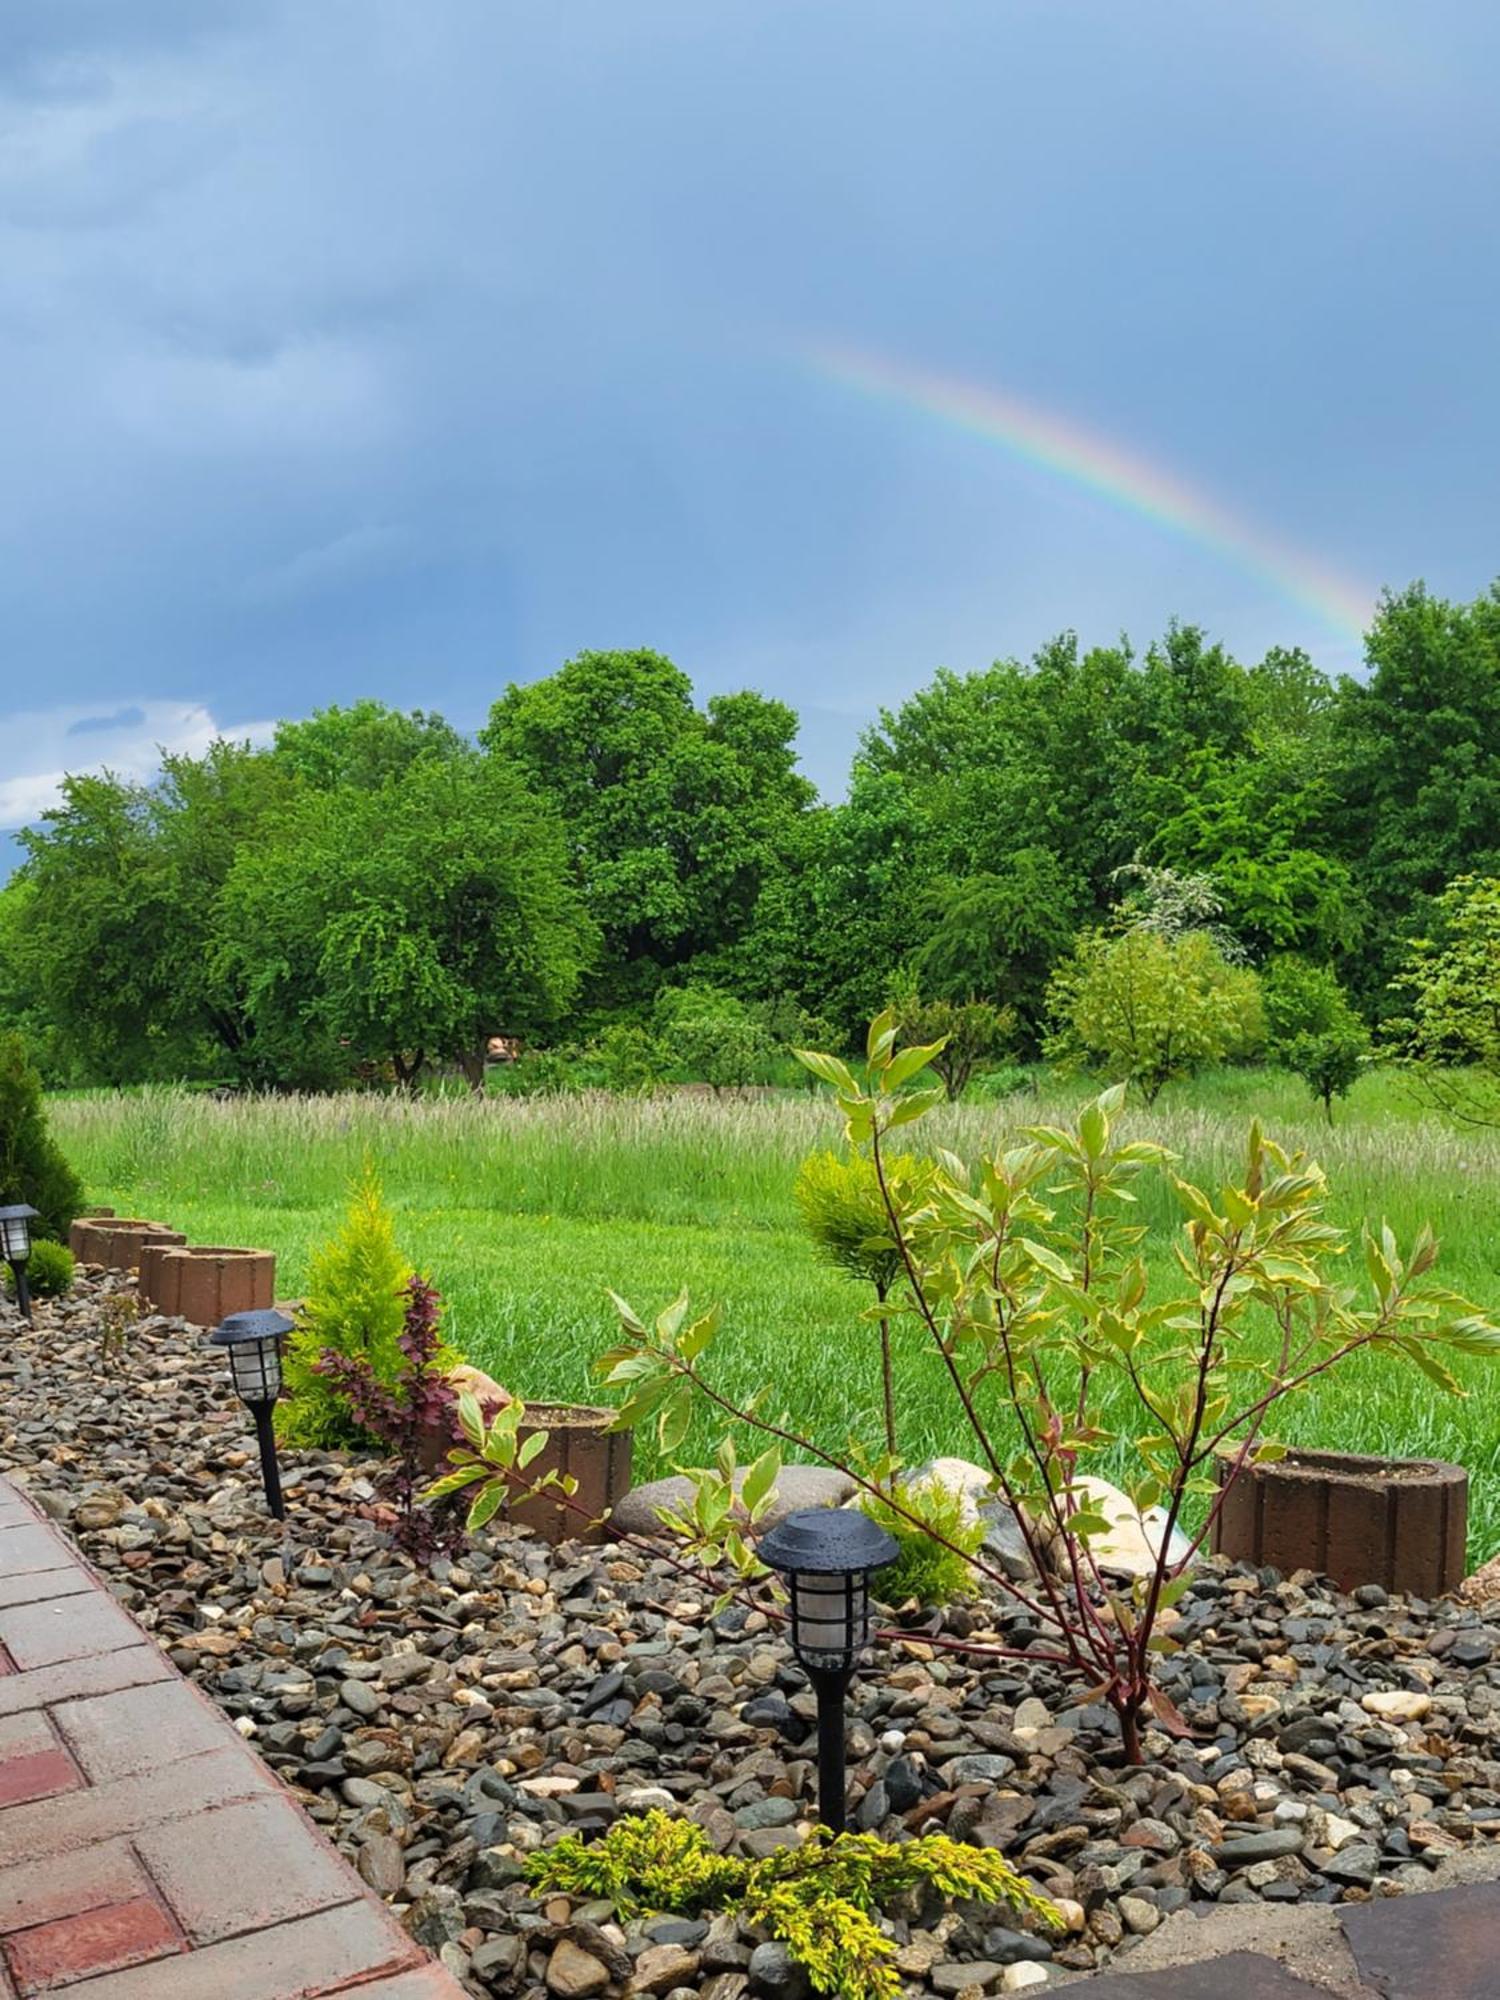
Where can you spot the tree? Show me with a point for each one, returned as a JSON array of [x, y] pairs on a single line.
[[711, 1037], [1417, 751], [1450, 1035], [366, 744], [116, 933], [33, 1168], [1312, 1030], [997, 938], [411, 923], [969, 1031], [1143, 1008], [674, 816]]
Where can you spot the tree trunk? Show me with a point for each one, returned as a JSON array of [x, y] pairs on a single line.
[[471, 1062]]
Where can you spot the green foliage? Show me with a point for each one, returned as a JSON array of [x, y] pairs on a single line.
[[963, 1034], [1451, 1033], [1025, 1271], [708, 1036], [1144, 1008], [410, 922], [820, 1900], [1312, 1030], [675, 816], [365, 745], [843, 1211], [996, 938], [32, 1166], [355, 1307], [935, 1533], [491, 1463], [49, 1271]]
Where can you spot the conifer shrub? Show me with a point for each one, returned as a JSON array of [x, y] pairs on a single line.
[[32, 1166], [822, 1901], [937, 1539], [355, 1307], [49, 1273]]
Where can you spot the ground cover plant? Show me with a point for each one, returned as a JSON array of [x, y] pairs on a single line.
[[524, 1212]]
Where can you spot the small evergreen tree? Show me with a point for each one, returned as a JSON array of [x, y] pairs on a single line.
[[1312, 1030], [32, 1166], [356, 1308]]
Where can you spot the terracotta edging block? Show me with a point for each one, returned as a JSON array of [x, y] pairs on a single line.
[[580, 1445], [204, 1283], [1401, 1523], [80, 1224], [115, 1242]]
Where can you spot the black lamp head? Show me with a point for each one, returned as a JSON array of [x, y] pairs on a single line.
[[828, 1555], [15, 1232], [254, 1341]]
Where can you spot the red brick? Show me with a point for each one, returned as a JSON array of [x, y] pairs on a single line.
[[116, 1735], [7, 1664], [41, 1775], [63, 1825], [313, 1956], [35, 1585], [243, 1868], [98, 1941], [24, 1735], [132, 1666], [31, 1546], [65, 1885], [69, 1628]]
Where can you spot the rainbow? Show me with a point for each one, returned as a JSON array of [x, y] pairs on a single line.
[[1096, 464]]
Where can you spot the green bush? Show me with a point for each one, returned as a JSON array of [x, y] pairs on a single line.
[[32, 1167], [925, 1569], [50, 1272], [1312, 1029], [822, 1901], [355, 1307]]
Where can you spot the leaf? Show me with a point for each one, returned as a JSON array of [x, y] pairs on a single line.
[[1168, 1714], [828, 1069], [881, 1038], [910, 1062], [486, 1506], [760, 1479], [913, 1104], [470, 1418], [628, 1317], [1049, 1260]]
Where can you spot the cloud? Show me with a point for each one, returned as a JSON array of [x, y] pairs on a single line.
[[128, 741]]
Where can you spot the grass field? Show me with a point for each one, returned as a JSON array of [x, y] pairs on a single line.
[[523, 1211]]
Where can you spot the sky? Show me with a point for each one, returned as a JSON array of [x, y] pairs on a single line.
[[367, 347]]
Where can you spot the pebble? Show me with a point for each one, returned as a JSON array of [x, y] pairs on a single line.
[[443, 1725]]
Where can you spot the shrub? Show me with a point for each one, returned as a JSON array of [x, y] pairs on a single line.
[[32, 1166], [822, 1900], [1450, 1037], [1312, 1029], [415, 1408], [353, 1308], [49, 1273], [1144, 1007], [711, 1037], [936, 1538], [1026, 1274], [963, 1033]]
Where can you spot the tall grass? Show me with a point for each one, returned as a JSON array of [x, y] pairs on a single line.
[[524, 1210]]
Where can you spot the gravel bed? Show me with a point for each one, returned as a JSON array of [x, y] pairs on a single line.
[[441, 1725]]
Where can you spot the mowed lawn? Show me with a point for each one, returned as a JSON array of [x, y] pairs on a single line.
[[525, 1212]]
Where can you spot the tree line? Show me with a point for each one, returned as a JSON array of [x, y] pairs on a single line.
[[375, 894]]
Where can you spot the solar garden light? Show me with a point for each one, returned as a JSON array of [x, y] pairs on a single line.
[[827, 1556], [15, 1246], [253, 1341]]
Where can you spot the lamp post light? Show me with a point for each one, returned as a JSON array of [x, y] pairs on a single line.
[[15, 1246], [827, 1556], [254, 1341]]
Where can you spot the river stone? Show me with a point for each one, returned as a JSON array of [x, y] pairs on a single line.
[[575, 1974], [798, 1486]]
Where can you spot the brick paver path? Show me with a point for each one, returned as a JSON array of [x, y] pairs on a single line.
[[145, 1852]]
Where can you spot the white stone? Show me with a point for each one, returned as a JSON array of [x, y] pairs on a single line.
[[1023, 1977], [1032, 1714], [1134, 1540], [1338, 1832], [1138, 1916], [1397, 1705]]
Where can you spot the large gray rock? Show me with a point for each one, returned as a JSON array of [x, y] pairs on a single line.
[[799, 1486]]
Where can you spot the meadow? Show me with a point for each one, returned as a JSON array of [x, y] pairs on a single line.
[[523, 1212]]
